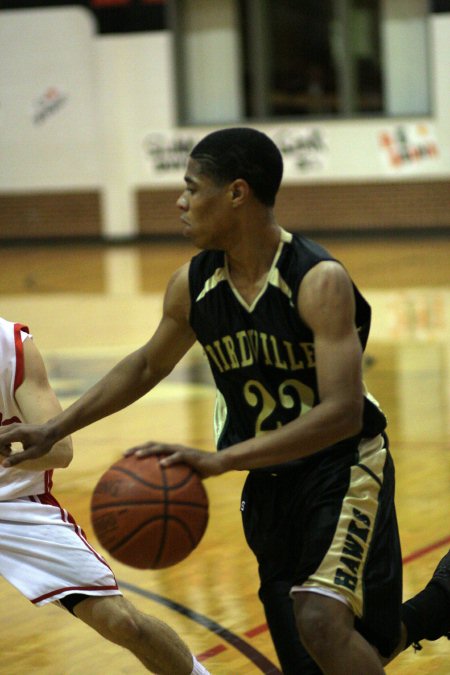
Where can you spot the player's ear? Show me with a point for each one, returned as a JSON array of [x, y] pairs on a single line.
[[239, 190]]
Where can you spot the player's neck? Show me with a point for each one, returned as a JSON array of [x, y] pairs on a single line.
[[253, 255]]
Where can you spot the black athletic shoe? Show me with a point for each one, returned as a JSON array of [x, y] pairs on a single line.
[[427, 615]]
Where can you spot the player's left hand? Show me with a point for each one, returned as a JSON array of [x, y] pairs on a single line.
[[205, 463]]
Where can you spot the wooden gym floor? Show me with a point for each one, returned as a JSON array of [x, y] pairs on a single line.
[[88, 306]]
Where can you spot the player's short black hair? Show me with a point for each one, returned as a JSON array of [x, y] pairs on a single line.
[[241, 152]]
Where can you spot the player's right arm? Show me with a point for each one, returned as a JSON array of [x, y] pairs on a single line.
[[128, 381], [37, 402]]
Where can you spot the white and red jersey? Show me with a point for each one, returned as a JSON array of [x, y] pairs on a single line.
[[16, 482], [43, 551]]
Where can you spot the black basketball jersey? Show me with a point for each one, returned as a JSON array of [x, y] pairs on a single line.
[[262, 356]]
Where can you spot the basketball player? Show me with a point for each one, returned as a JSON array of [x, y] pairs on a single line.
[[284, 329], [43, 552]]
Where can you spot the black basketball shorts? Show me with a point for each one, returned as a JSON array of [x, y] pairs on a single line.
[[330, 523]]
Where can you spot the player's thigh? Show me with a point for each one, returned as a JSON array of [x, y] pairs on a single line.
[[289, 517], [362, 560], [265, 509]]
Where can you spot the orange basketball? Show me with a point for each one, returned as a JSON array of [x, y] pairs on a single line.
[[147, 515]]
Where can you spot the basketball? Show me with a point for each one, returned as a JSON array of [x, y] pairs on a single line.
[[147, 515]]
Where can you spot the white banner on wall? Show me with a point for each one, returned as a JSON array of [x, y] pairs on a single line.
[[408, 147], [165, 153], [305, 151]]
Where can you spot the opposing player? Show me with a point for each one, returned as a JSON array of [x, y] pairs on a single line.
[[284, 329], [43, 552]]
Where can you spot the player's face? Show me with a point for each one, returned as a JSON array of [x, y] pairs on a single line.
[[206, 209]]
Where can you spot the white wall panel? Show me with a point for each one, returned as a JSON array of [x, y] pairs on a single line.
[[48, 125]]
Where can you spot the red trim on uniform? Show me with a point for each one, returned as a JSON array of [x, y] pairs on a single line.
[[74, 589], [50, 500], [48, 480], [20, 365]]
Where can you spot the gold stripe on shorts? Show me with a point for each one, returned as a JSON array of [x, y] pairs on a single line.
[[342, 568]]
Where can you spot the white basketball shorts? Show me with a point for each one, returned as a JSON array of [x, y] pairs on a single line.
[[45, 554]]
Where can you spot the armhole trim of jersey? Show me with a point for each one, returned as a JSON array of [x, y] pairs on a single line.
[[20, 360]]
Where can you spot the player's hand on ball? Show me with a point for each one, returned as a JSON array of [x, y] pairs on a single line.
[[204, 463]]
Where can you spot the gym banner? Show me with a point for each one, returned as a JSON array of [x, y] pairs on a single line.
[[408, 146], [305, 150]]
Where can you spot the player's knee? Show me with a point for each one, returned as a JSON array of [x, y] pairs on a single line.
[[313, 623], [316, 622]]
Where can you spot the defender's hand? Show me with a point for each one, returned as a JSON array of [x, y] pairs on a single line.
[[34, 439]]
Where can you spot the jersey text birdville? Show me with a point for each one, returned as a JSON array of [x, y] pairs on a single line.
[[247, 347]]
